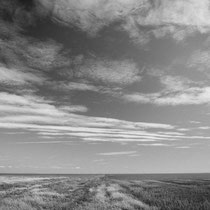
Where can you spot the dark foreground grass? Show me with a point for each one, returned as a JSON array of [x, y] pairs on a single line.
[[102, 193], [171, 195]]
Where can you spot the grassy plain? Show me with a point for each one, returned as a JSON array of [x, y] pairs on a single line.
[[98, 192]]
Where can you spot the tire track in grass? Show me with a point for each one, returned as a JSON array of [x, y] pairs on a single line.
[[114, 195]]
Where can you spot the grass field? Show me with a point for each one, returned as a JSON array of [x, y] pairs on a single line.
[[99, 192]]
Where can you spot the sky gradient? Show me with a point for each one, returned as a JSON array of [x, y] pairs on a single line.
[[103, 86]]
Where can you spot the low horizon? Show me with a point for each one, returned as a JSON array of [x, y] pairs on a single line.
[[102, 173]]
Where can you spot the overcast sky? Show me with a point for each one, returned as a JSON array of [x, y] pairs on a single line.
[[104, 86]]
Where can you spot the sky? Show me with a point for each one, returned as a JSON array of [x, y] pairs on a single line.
[[103, 86]]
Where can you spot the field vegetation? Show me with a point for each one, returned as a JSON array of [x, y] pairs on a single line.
[[102, 193]]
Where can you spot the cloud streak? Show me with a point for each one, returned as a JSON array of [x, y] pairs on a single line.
[[176, 91], [32, 113], [17, 77], [117, 153]]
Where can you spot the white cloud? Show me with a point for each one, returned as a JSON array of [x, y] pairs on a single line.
[[171, 133], [176, 91], [89, 15], [190, 96], [117, 140], [155, 145], [27, 53], [17, 77], [141, 97], [183, 147], [194, 95], [41, 142], [11, 103], [46, 56], [195, 122], [117, 153], [79, 86], [33, 113], [175, 83], [177, 18], [204, 127], [74, 108], [199, 59], [183, 129], [107, 71]]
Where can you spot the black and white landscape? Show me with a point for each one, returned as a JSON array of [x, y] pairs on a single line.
[[104, 87]]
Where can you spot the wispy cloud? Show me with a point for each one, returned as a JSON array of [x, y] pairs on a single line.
[[78, 86], [41, 142], [107, 71], [195, 122], [176, 91], [17, 77], [200, 60], [183, 147], [33, 113], [28, 54], [189, 96], [155, 145], [204, 127], [117, 153]]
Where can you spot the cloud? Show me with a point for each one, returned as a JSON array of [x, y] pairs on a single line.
[[176, 91], [175, 83], [141, 19], [155, 145], [41, 142], [23, 52], [41, 117], [200, 60], [36, 114], [43, 67], [26, 59], [17, 77], [117, 153], [195, 122], [183, 147], [79, 86], [119, 140], [112, 72], [46, 56], [190, 96], [204, 127], [177, 19], [74, 108], [28, 104], [88, 15]]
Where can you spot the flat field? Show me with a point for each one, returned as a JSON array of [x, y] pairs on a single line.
[[104, 192]]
